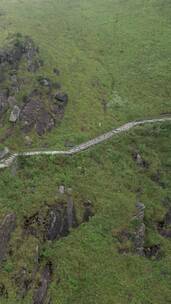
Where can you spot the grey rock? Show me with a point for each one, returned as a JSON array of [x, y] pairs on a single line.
[[62, 97], [6, 228], [88, 211], [56, 71], [139, 234], [166, 232], [61, 189], [139, 239], [40, 112], [4, 152], [69, 191], [71, 215], [3, 291], [164, 227], [69, 144], [57, 223], [23, 282], [139, 160], [14, 116], [57, 85], [28, 140], [53, 225], [14, 78], [167, 219], [41, 293], [140, 211], [3, 101], [45, 82], [140, 206], [60, 219], [36, 115], [15, 85], [153, 251], [33, 66], [12, 101]]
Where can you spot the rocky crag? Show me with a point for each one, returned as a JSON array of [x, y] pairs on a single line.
[[31, 102]]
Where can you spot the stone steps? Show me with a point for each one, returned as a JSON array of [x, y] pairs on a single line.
[[126, 127]]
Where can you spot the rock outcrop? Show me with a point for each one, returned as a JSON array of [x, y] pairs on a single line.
[[88, 211], [167, 218], [133, 238], [35, 114], [139, 234], [45, 278], [23, 281], [3, 291], [18, 48], [139, 160], [62, 97], [60, 220], [164, 227], [4, 152], [4, 94], [44, 103], [6, 228]]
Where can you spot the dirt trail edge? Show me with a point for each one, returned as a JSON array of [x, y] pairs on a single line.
[[126, 127]]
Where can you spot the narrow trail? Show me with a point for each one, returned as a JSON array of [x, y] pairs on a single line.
[[84, 146]]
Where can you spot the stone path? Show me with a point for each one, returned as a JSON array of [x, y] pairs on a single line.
[[126, 127]]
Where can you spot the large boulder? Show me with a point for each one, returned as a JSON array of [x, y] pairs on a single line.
[[15, 113]]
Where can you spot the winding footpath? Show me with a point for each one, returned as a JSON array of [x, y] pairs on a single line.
[[126, 127]]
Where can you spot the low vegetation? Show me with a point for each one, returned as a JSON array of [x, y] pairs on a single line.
[[93, 227]]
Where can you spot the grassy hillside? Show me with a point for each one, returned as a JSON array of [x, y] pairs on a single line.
[[114, 63], [113, 57], [87, 266]]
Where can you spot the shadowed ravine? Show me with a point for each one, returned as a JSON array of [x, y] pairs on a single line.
[[84, 146]]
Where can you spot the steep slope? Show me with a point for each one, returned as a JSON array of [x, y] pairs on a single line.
[[93, 227], [112, 58], [90, 255]]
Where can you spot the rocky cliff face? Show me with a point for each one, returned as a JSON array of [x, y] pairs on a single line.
[[46, 226], [30, 102]]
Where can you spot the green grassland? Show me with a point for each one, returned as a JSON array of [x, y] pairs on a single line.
[[87, 267], [113, 51], [117, 51]]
